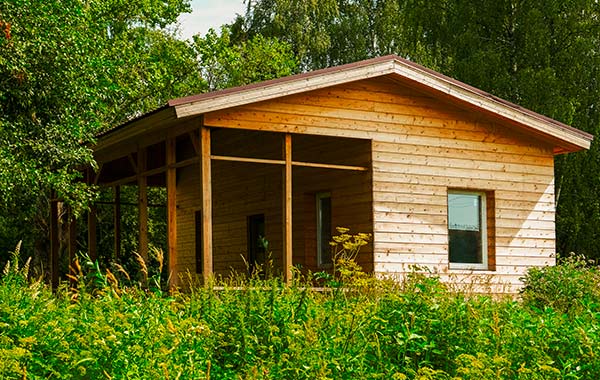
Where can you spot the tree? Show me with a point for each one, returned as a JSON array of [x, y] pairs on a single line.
[[68, 70], [226, 64], [301, 24]]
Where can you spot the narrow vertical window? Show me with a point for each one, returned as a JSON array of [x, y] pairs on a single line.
[[256, 243], [467, 235], [324, 258], [198, 237]]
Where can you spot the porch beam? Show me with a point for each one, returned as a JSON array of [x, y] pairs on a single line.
[[207, 242], [187, 162], [287, 207], [247, 159], [193, 160], [154, 171], [283, 162], [172, 211], [120, 182], [129, 203], [142, 206], [330, 166], [147, 173]]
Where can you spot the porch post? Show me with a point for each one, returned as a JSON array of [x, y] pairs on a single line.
[[92, 241], [142, 205], [91, 222], [207, 252], [72, 244], [54, 243], [287, 207], [172, 211], [117, 221]]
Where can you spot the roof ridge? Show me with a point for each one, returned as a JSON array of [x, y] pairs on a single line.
[[289, 78]]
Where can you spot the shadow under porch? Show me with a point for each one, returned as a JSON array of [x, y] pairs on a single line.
[[227, 187]]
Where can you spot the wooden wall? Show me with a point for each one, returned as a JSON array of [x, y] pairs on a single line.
[[351, 204], [242, 189], [421, 147]]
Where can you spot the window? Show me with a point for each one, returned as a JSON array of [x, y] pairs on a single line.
[[324, 258], [467, 231], [256, 241]]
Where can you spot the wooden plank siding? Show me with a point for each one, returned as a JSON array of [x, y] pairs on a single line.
[[241, 189], [421, 147]]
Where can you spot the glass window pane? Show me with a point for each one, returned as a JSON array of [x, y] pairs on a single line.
[[464, 228], [464, 212]]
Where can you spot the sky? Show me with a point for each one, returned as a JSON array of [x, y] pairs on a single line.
[[209, 14]]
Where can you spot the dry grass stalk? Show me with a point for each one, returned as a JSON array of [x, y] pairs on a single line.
[[143, 267], [122, 270]]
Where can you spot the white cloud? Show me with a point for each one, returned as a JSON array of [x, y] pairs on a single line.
[[208, 14]]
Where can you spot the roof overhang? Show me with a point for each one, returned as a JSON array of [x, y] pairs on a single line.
[[565, 138]]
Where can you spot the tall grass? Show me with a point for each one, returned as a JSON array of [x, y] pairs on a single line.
[[262, 329]]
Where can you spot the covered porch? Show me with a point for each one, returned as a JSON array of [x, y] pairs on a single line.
[[236, 199]]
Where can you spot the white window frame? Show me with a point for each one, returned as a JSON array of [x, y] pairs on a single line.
[[318, 198], [484, 233]]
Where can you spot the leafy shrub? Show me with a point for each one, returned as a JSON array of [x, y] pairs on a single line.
[[263, 329], [568, 287]]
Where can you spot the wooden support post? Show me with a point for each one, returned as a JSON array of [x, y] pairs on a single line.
[[92, 239], [172, 211], [117, 222], [97, 176], [92, 222], [207, 264], [287, 209], [72, 245], [142, 205], [54, 242]]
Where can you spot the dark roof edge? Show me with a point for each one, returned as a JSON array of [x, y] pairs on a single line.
[[388, 58], [131, 121], [282, 80], [495, 98]]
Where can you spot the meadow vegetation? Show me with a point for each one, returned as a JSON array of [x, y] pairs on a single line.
[[357, 328]]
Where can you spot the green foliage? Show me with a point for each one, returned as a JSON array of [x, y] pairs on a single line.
[[344, 250], [262, 329], [227, 64], [301, 24], [570, 287], [70, 69]]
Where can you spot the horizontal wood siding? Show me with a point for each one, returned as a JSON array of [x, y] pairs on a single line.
[[241, 189], [351, 208], [421, 147]]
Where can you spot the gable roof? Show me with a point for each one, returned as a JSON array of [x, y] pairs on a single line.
[[565, 138]]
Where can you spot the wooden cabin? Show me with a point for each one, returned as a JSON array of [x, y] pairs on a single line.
[[444, 176]]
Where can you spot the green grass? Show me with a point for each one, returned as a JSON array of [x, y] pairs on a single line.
[[263, 330]]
